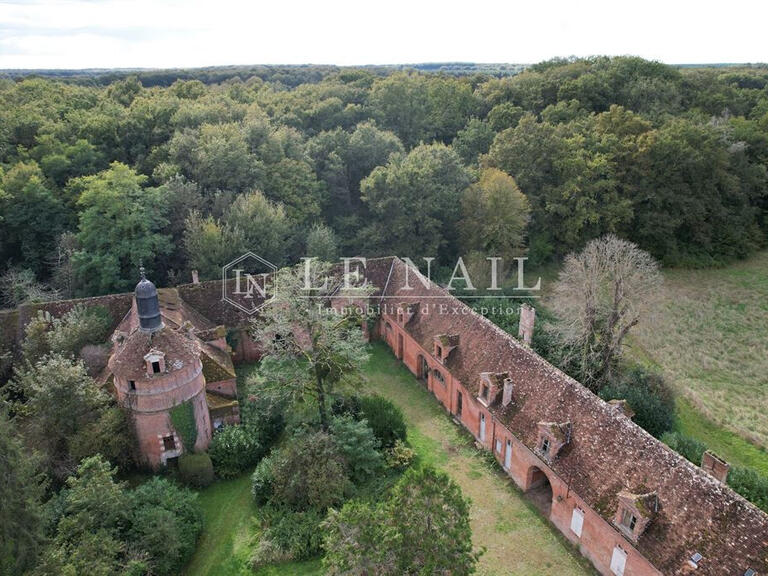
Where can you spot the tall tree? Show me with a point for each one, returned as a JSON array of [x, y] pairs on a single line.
[[122, 226], [495, 216], [416, 202], [600, 295], [308, 348], [21, 490]]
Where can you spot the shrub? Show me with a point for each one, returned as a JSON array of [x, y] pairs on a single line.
[[751, 485], [263, 411], [346, 405], [359, 447], [295, 533], [165, 523], [196, 469], [400, 456], [268, 552], [686, 446], [95, 358], [309, 472], [233, 450], [649, 396], [80, 326], [385, 419], [261, 481]]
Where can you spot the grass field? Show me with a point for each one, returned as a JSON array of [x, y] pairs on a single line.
[[709, 335], [518, 540]]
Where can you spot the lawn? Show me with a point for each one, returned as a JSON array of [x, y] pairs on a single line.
[[518, 540], [708, 335]]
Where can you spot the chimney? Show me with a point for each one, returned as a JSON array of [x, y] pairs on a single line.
[[714, 465], [623, 407], [195, 277], [527, 318], [506, 397]]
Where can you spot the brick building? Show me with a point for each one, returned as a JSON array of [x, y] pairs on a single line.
[[629, 503], [167, 358]]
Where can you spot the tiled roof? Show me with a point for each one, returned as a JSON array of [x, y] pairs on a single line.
[[607, 452]]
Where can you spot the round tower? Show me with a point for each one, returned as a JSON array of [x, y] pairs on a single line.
[[158, 376]]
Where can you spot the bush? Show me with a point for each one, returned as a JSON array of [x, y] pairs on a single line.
[[400, 456], [751, 485], [359, 447], [297, 534], [80, 326], [688, 447], [196, 469], [165, 523], [263, 411], [349, 405], [233, 450], [649, 396], [262, 480], [385, 419], [310, 472], [268, 552]]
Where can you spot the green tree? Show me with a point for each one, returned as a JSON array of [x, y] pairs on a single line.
[[32, 218], [322, 243], [88, 539], [61, 401], [494, 216], [121, 226], [21, 491], [422, 528], [298, 326], [415, 201]]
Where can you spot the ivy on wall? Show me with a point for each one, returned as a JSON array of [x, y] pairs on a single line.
[[183, 419]]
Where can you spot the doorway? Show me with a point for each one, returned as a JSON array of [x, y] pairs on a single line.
[[539, 490], [459, 405]]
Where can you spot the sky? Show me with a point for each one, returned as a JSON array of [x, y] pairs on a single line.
[[191, 33]]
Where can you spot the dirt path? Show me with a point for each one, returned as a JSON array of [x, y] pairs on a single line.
[[518, 540]]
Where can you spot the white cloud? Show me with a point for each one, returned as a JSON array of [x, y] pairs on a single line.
[[147, 33]]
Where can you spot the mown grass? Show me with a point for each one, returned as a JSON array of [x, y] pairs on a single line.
[[518, 540]]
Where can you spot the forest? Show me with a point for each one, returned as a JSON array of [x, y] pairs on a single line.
[[187, 170]]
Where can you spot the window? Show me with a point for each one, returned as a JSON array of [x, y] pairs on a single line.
[[169, 443], [439, 377], [498, 446], [545, 446], [439, 352], [628, 520], [618, 561], [156, 367], [485, 393], [132, 384], [577, 521]]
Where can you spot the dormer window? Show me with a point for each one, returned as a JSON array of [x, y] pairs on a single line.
[[443, 345], [628, 520], [553, 436], [155, 362], [132, 384], [635, 512], [485, 393]]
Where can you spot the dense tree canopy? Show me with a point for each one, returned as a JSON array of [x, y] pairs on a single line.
[[98, 175]]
